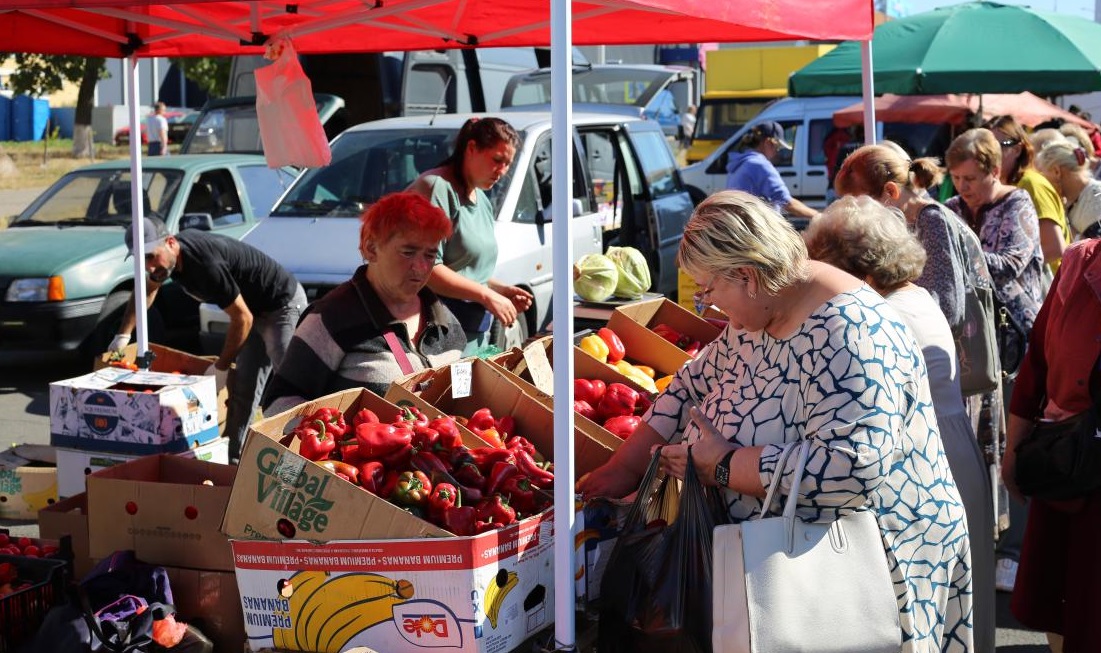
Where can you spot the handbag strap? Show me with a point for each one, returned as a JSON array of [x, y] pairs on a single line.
[[399, 353], [774, 486]]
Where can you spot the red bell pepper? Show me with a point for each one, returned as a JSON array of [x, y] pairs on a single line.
[[527, 465], [693, 348], [411, 415], [315, 444], [584, 408], [486, 526], [623, 426], [484, 457], [469, 475], [444, 497], [398, 458], [590, 390], [491, 437], [618, 400], [364, 416], [643, 404], [481, 419], [425, 438], [428, 462], [448, 430], [520, 442], [342, 469], [495, 509], [389, 482], [377, 440], [500, 472], [371, 476], [520, 493], [505, 426], [616, 351], [412, 489], [335, 425], [460, 520]]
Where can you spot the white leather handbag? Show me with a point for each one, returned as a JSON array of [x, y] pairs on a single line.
[[782, 585]]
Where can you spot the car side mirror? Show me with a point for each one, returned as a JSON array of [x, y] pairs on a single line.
[[200, 221], [544, 214]]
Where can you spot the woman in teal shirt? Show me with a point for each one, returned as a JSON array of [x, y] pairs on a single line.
[[463, 276]]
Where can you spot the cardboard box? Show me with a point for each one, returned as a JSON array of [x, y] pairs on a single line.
[[69, 517], [209, 600], [480, 594], [662, 311], [489, 388], [73, 465], [644, 347], [25, 486], [162, 508], [278, 494], [166, 359], [120, 411]]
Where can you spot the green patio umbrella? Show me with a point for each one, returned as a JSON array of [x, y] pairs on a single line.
[[976, 47]]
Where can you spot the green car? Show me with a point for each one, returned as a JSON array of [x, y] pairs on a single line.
[[64, 272]]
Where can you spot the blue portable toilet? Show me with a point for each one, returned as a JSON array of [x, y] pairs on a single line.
[[5, 118], [63, 118], [29, 118]]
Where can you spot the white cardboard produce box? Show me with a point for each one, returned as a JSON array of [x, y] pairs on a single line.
[[74, 465], [480, 594], [116, 410]]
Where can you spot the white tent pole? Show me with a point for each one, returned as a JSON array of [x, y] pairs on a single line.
[[137, 204], [562, 252], [869, 91]]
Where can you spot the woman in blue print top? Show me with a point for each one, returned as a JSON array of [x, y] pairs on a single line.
[[811, 352]]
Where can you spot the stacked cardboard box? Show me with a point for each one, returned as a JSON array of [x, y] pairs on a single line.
[[114, 415]]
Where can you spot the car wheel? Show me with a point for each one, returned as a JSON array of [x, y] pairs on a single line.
[[505, 338]]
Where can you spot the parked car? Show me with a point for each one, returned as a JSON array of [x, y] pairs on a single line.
[[179, 121], [626, 189], [807, 122], [229, 125], [659, 93], [64, 273]]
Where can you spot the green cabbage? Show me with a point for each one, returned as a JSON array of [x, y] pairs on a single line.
[[634, 271], [595, 277]]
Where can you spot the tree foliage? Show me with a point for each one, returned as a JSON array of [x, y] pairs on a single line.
[[42, 74], [210, 73]]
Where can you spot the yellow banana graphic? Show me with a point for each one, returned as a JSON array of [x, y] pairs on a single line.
[[328, 612], [496, 591], [38, 500]]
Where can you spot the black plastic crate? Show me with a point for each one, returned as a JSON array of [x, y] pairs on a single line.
[[22, 612]]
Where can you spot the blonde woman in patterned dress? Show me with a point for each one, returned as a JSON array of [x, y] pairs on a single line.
[[811, 352]]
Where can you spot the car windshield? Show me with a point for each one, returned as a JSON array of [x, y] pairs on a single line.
[[99, 197], [623, 86], [232, 128], [367, 165]]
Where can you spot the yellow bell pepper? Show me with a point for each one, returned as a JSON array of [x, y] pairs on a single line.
[[595, 346], [647, 370], [663, 382], [638, 376]]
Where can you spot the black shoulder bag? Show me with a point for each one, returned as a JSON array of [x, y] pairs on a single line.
[[1062, 460]]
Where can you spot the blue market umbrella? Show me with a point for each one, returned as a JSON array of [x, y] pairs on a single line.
[[976, 47]]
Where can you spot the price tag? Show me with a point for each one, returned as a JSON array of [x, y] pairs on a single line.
[[542, 374], [461, 375]]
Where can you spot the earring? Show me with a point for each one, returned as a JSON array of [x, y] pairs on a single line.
[[752, 295]]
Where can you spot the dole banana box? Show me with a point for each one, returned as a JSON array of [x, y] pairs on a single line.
[[167, 359], [74, 465], [479, 594], [25, 486], [652, 312], [117, 410]]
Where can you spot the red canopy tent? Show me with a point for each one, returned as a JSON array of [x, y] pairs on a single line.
[[151, 28], [1029, 110]]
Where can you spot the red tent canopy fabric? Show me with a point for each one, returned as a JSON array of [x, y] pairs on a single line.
[[168, 28], [1028, 109]]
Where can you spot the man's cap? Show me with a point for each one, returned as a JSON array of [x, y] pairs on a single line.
[[155, 233], [772, 129]]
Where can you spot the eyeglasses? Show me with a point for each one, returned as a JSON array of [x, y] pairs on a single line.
[[1009, 142], [700, 297]]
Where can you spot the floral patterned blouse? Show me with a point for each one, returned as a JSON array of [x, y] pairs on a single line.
[[1010, 235], [852, 380]]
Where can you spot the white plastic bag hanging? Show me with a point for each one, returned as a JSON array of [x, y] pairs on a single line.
[[290, 128]]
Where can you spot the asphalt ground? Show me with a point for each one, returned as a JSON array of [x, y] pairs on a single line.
[[24, 418]]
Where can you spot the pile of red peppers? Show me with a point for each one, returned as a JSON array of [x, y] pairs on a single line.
[[423, 466], [690, 345], [617, 406]]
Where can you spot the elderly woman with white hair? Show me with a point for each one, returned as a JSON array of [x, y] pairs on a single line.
[[871, 242], [1067, 167], [810, 353]]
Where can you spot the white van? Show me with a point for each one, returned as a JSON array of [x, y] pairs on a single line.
[[807, 122]]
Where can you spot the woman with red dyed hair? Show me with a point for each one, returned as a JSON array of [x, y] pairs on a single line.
[[382, 323]]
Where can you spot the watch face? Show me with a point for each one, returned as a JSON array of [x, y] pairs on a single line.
[[722, 473]]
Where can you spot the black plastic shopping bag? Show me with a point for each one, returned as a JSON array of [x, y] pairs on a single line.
[[656, 592]]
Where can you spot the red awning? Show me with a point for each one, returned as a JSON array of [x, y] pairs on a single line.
[[114, 28], [1028, 109]]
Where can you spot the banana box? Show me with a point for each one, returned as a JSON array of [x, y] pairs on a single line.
[[116, 410], [75, 465], [25, 486], [480, 594]]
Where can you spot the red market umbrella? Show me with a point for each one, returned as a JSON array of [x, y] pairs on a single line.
[[1029, 110]]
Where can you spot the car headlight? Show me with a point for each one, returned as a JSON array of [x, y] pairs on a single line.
[[50, 289]]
